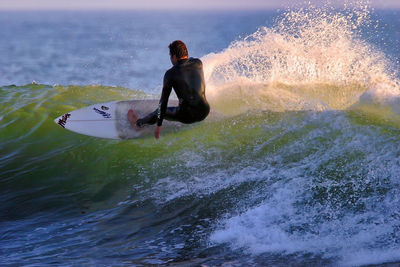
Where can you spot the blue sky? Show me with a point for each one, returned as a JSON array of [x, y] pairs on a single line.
[[170, 4]]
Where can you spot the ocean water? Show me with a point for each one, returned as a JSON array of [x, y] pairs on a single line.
[[301, 166]]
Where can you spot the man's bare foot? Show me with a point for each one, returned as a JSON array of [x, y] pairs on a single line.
[[132, 118]]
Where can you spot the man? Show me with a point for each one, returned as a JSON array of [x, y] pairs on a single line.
[[187, 78]]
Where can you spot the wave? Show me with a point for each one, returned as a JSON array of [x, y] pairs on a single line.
[[312, 59], [41, 165], [305, 163]]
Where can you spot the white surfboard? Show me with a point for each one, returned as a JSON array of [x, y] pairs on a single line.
[[109, 120]]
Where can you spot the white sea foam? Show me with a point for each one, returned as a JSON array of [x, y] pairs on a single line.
[[312, 59], [332, 190], [368, 257], [307, 210], [304, 208]]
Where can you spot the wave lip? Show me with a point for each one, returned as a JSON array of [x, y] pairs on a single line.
[[312, 59]]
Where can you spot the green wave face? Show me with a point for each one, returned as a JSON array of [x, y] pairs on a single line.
[[45, 165], [302, 171], [48, 161]]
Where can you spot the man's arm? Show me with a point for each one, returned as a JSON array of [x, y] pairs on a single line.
[[157, 132], [162, 105]]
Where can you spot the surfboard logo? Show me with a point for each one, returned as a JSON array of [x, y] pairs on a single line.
[[105, 108], [63, 120], [102, 113]]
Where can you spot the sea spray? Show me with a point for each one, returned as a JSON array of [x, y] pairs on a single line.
[[312, 59]]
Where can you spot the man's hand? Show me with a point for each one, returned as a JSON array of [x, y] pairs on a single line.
[[157, 132]]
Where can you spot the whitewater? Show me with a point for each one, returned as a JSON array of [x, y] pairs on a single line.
[[298, 164]]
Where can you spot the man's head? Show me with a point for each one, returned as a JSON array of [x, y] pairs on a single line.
[[177, 51]]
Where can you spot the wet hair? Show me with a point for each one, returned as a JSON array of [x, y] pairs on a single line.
[[178, 48]]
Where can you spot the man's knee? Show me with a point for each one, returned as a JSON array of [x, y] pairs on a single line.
[[140, 123]]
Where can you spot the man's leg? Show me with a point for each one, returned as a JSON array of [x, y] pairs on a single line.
[[149, 119], [139, 123], [171, 114]]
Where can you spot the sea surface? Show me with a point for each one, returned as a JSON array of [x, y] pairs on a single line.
[[298, 165]]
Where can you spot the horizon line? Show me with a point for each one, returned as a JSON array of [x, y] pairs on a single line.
[[394, 7], [220, 8], [181, 5]]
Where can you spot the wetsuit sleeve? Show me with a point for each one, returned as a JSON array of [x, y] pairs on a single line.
[[166, 91]]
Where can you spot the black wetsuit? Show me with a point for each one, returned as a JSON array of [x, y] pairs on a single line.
[[187, 79]]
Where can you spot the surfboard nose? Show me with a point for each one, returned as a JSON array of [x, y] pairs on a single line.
[[62, 120]]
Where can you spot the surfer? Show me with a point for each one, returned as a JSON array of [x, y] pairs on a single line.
[[187, 78]]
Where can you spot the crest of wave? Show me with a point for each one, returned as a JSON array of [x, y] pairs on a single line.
[[312, 58]]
